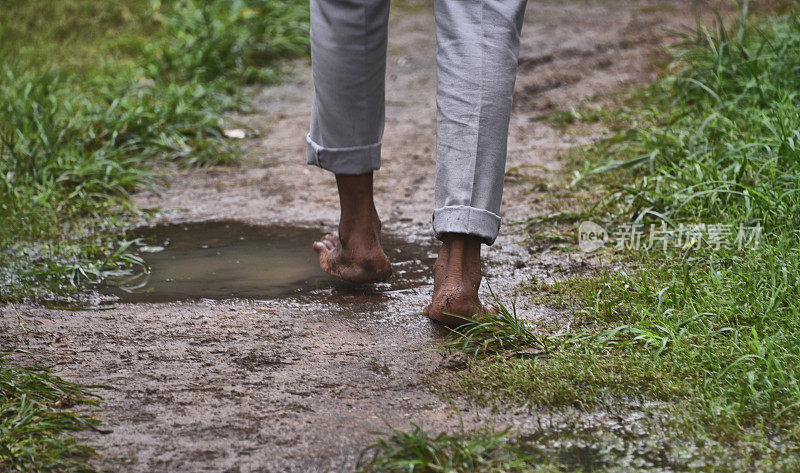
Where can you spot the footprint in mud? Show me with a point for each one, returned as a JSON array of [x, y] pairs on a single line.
[[229, 259]]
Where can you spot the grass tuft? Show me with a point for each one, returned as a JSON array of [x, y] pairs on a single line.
[[415, 451], [238, 41], [35, 420], [496, 333]]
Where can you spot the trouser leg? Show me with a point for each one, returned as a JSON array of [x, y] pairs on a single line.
[[348, 57], [476, 55]]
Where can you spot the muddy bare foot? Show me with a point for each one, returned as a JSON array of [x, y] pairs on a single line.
[[355, 253], [358, 261], [456, 279]]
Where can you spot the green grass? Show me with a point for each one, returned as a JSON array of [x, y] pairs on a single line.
[[228, 42], [416, 451], [708, 334], [721, 147], [73, 35], [95, 96], [499, 332], [36, 420], [514, 359], [720, 140]]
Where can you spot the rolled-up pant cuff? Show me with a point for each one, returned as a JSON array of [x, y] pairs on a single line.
[[351, 160], [468, 220]]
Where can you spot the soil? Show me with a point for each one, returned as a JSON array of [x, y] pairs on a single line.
[[301, 383]]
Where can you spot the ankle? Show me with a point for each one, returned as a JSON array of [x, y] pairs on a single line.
[[359, 218], [357, 229], [359, 215], [462, 247]]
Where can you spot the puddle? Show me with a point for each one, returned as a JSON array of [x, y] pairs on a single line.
[[616, 446], [222, 260]]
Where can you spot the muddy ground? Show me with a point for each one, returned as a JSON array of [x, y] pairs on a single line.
[[300, 383]]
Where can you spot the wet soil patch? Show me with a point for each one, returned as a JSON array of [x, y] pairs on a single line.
[[231, 259]]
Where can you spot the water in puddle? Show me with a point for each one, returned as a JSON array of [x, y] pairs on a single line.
[[220, 260]]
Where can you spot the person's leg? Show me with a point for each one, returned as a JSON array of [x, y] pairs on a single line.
[[477, 49], [348, 57]]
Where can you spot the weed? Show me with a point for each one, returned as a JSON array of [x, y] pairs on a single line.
[[236, 41], [500, 332], [34, 417], [415, 451], [721, 138]]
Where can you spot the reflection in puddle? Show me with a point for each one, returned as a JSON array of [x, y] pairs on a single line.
[[220, 260]]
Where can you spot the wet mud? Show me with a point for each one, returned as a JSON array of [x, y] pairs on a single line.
[[299, 378]]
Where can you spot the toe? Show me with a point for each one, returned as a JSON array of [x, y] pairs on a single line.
[[319, 246]]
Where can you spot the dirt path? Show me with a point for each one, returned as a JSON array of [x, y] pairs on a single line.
[[301, 384]]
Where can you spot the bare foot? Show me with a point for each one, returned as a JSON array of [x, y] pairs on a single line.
[[355, 253], [360, 260], [456, 279]]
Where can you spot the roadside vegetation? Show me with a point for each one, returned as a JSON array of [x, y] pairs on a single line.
[[95, 97], [35, 413], [699, 327], [415, 450]]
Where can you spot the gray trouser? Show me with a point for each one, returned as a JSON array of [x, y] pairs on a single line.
[[476, 56]]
